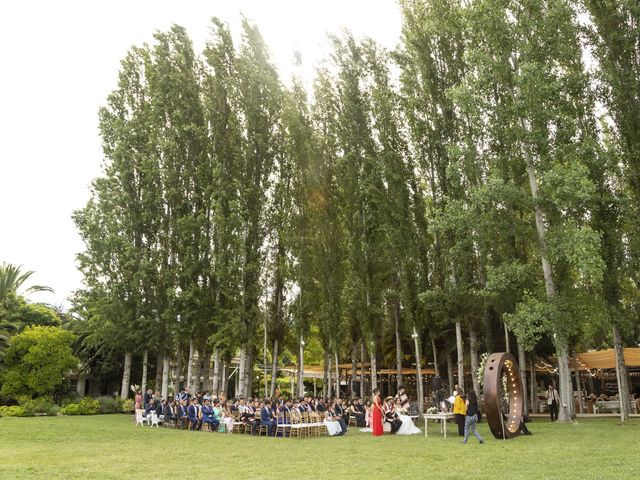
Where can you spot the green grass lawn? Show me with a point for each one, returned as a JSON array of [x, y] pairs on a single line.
[[111, 447]]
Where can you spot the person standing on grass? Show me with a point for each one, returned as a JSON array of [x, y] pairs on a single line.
[[553, 401], [460, 410], [471, 417], [376, 414]]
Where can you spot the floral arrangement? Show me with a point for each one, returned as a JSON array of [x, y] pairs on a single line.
[[481, 367], [432, 410]]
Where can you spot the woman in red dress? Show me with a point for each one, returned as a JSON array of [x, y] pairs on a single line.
[[376, 414]]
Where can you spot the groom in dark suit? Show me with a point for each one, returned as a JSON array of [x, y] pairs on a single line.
[[266, 418]]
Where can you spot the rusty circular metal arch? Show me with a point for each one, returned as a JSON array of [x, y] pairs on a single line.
[[502, 426]]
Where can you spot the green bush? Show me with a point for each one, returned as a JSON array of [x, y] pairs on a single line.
[[14, 411], [40, 405], [128, 405], [110, 405], [87, 406]]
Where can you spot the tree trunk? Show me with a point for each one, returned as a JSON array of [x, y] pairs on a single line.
[[190, 387], [325, 376], [206, 370], [435, 355], [522, 365], [145, 366], [165, 377], [419, 385], [327, 367], [533, 397], [473, 351], [264, 360], [274, 368], [374, 367], [301, 368], [176, 386], [241, 372], [507, 346], [224, 380], [396, 321], [81, 385], [126, 376], [337, 374], [215, 383], [362, 390], [354, 367], [248, 386], [450, 371], [567, 410], [460, 350], [578, 386], [237, 382], [158, 385], [621, 374]]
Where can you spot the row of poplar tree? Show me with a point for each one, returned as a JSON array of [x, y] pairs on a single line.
[[485, 173]]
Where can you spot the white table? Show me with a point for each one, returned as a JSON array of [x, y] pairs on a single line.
[[442, 416]]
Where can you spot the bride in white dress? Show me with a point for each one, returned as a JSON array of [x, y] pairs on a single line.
[[407, 427], [333, 427]]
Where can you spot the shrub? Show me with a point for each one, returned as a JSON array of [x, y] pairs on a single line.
[[128, 405], [40, 405], [87, 406], [14, 411], [110, 405]]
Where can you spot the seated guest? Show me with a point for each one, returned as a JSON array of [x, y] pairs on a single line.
[[159, 408], [149, 407], [334, 422], [403, 398], [217, 412], [183, 414], [249, 415], [226, 415], [390, 415], [266, 419], [286, 407], [339, 409], [320, 406], [169, 412], [358, 414], [194, 415], [208, 416]]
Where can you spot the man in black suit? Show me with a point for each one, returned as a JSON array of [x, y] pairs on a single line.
[[168, 412]]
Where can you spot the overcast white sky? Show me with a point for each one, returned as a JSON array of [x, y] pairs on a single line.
[[59, 61]]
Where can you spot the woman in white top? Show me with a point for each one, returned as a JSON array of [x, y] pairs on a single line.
[[226, 417]]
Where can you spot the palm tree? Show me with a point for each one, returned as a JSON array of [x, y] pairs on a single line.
[[11, 279]]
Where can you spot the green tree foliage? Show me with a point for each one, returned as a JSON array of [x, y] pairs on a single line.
[[411, 192], [37, 360]]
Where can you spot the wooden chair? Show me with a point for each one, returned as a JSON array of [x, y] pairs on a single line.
[[295, 428], [238, 426], [353, 422]]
